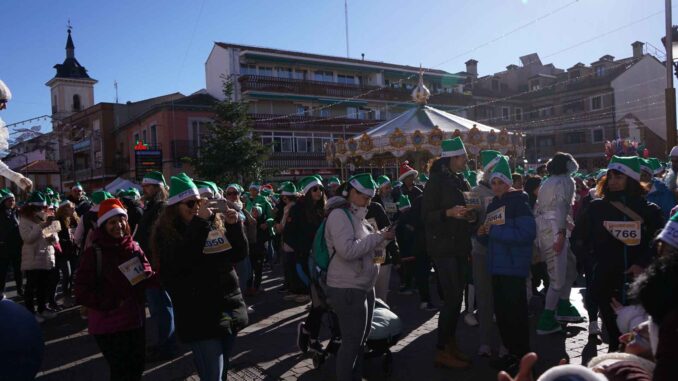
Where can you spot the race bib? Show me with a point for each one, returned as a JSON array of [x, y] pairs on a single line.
[[55, 227], [472, 199], [628, 232], [133, 270], [496, 217], [391, 207], [216, 242]]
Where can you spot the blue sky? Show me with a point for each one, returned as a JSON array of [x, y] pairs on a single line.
[[155, 47]]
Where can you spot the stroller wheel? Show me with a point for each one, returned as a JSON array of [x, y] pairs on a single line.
[[387, 364]]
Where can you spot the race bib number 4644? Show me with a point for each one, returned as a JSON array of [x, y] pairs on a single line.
[[216, 242], [496, 217], [628, 232]]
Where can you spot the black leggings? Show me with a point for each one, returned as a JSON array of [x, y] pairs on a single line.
[[37, 285], [125, 353], [257, 255], [10, 259]]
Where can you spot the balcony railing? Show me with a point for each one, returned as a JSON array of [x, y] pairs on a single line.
[[183, 148], [297, 160], [343, 91], [315, 123]]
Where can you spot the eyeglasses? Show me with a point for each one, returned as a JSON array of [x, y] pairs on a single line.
[[316, 189], [231, 193], [191, 203]]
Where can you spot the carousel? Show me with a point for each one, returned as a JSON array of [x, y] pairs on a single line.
[[416, 136]]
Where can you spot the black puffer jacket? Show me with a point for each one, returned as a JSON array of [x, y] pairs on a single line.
[[300, 229], [203, 286], [10, 239], [610, 253], [445, 236], [151, 213]]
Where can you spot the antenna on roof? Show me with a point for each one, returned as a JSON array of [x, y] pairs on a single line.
[[346, 18], [115, 85]]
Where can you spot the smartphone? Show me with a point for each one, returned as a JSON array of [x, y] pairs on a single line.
[[393, 226], [220, 205]]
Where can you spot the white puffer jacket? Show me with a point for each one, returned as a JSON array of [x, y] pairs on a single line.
[[37, 253], [353, 244]]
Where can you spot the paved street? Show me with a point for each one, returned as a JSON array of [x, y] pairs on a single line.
[[266, 349]]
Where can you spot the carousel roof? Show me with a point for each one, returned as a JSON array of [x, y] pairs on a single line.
[[425, 118]]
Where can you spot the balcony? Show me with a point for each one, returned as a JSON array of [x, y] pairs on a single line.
[[342, 91], [297, 160], [310, 123]]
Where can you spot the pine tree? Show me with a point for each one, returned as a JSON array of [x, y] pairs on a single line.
[[231, 151]]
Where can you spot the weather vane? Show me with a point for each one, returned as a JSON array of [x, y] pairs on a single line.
[[69, 26]]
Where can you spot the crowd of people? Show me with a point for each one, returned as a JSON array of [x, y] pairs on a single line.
[[489, 239]]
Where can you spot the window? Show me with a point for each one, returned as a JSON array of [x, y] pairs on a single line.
[[136, 138], [600, 71], [198, 132], [535, 85], [518, 113], [346, 79], [302, 110], [283, 144], [266, 71], [98, 159], [505, 113], [284, 72], [76, 103], [304, 144], [351, 112], [319, 143], [300, 74], [364, 113], [325, 76], [248, 69], [598, 136], [545, 141], [495, 84], [144, 137], [154, 135], [597, 102], [325, 113], [575, 138], [54, 105]]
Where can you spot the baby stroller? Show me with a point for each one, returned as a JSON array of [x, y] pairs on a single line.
[[386, 329]]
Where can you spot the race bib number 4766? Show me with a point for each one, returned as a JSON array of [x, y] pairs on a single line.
[[628, 232]]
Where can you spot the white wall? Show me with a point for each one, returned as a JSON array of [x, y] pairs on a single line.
[[218, 64], [640, 91]]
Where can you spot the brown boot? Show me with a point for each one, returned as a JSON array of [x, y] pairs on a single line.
[[452, 349], [447, 360]]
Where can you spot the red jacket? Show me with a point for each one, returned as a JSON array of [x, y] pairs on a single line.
[[115, 305]]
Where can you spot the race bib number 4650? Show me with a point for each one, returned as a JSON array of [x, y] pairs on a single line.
[[216, 242], [628, 232]]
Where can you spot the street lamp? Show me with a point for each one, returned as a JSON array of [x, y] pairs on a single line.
[[674, 47], [670, 42]]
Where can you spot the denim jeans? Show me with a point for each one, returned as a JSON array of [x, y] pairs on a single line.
[[162, 318], [211, 357]]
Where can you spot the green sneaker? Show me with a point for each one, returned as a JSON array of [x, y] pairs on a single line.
[[566, 312], [547, 323]]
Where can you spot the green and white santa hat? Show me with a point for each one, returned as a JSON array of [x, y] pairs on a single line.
[[645, 166], [120, 192], [452, 147], [181, 188], [6, 194], [670, 232], [383, 180], [77, 185], [37, 198], [98, 197], [266, 192], [255, 185], [404, 203], [333, 180], [309, 182], [471, 177], [154, 178], [489, 158], [207, 189], [235, 187], [655, 165], [423, 179], [288, 189], [131, 193], [502, 171], [364, 183], [628, 165], [258, 208]]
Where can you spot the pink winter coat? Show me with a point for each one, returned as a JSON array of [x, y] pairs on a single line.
[[115, 305]]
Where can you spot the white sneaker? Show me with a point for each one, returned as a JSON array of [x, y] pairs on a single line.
[[594, 328], [39, 318], [470, 319], [484, 351], [47, 314]]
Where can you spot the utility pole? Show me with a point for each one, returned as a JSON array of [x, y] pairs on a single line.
[[115, 84], [346, 19], [670, 92]]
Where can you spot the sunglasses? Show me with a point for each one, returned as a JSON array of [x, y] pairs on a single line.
[[231, 193], [191, 203], [316, 189]]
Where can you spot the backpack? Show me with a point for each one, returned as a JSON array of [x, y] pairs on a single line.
[[320, 258]]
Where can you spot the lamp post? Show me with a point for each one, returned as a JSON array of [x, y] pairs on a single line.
[[670, 42]]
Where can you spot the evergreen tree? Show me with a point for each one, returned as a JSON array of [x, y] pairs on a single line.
[[231, 151]]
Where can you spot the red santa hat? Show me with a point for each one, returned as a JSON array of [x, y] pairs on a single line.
[[109, 208], [406, 170]]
